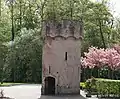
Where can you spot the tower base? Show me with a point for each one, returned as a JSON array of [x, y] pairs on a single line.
[[63, 91], [68, 91]]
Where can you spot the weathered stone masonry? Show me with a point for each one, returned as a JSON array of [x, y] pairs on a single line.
[[61, 55]]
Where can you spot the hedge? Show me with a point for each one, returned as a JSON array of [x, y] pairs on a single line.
[[108, 87], [103, 87]]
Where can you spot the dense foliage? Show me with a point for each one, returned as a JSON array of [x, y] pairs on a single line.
[[23, 62]]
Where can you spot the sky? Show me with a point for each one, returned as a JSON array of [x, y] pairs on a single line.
[[114, 6]]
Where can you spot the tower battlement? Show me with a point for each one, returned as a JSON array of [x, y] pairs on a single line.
[[64, 28]]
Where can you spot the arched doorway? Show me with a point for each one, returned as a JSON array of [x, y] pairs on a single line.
[[49, 86]]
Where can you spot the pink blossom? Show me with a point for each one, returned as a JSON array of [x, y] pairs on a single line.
[[100, 57], [94, 57], [112, 58]]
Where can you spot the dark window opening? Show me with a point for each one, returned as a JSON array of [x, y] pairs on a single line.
[[65, 55], [49, 69]]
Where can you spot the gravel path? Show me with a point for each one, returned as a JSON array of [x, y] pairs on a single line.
[[31, 91], [22, 91]]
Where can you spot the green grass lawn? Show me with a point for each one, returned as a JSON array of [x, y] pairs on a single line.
[[9, 84]]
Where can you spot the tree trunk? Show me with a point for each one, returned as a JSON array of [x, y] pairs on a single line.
[[91, 71], [42, 14], [0, 10], [54, 13], [98, 72], [109, 73], [71, 9], [102, 37], [0, 7], [113, 74], [12, 17], [20, 14]]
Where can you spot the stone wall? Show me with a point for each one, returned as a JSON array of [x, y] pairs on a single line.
[[62, 38]]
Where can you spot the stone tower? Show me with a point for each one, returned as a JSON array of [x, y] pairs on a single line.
[[61, 57]]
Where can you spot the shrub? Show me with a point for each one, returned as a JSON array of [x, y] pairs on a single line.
[[91, 85], [108, 87], [82, 85], [103, 87]]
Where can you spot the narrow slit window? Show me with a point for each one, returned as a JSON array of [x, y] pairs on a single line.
[[49, 69], [65, 55]]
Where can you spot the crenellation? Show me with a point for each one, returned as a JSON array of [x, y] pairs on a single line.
[[72, 29], [64, 28], [59, 27]]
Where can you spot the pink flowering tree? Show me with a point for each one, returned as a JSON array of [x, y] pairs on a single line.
[[117, 48], [112, 58], [99, 58], [94, 58]]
